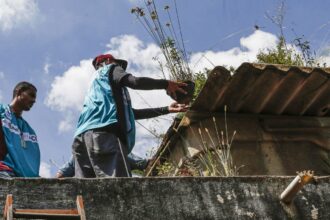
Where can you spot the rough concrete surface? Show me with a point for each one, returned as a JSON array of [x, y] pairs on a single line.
[[173, 198]]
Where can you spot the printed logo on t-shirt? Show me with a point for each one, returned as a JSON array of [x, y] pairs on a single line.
[[30, 137], [14, 129], [8, 114]]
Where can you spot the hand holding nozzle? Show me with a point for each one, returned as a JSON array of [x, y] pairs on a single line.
[[174, 87]]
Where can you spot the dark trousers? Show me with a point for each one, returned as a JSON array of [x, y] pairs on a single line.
[[98, 153]]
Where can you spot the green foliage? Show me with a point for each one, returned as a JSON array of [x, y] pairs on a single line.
[[165, 169], [138, 173], [200, 79], [232, 69], [302, 55], [280, 55], [189, 168], [308, 56]]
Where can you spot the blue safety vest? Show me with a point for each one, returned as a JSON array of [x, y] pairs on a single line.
[[23, 154], [100, 110]]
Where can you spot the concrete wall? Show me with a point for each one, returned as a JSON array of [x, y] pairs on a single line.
[[173, 198]]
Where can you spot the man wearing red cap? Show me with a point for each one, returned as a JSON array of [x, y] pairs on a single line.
[[105, 132]]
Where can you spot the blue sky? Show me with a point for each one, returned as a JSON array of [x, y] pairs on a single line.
[[52, 43]]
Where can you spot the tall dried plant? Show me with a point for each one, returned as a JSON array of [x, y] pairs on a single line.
[[166, 36], [216, 156]]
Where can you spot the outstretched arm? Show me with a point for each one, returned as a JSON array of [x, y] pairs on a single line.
[[149, 112], [145, 83], [136, 162], [119, 77], [154, 112], [67, 170]]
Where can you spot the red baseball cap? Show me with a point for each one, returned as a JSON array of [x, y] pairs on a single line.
[[101, 58]]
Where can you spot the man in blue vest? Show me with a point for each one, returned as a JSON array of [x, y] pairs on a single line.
[[21, 155], [105, 132]]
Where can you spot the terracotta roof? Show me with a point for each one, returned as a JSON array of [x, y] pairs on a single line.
[[267, 89]]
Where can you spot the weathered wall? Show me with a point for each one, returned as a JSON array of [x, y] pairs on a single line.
[[173, 198], [263, 144]]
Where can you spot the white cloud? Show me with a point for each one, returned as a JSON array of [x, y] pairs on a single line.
[[247, 52], [324, 56], [258, 40], [44, 170], [46, 68], [67, 124], [1, 97], [139, 56], [14, 13], [68, 91]]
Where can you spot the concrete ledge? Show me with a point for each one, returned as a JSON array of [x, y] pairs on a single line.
[[173, 198]]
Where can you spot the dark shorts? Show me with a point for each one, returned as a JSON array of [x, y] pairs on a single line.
[[98, 154]]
